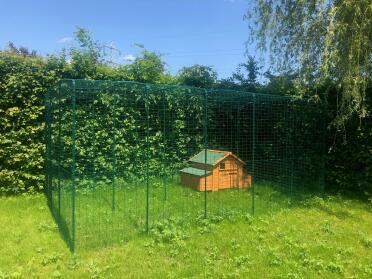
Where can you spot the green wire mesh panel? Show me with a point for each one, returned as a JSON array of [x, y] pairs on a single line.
[[125, 157], [59, 167]]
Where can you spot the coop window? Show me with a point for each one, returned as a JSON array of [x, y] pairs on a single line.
[[222, 166]]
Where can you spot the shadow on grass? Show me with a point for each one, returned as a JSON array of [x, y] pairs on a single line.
[[62, 225]]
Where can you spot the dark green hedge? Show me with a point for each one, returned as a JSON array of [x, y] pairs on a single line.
[[25, 80], [349, 155], [23, 83]]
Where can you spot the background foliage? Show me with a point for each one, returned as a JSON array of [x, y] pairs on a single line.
[[325, 42], [25, 78], [323, 49], [23, 83]]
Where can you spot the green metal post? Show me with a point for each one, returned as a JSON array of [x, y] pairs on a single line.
[[94, 144], [164, 149], [113, 151], [205, 149], [253, 148], [59, 150], [238, 131], [48, 145], [293, 149], [323, 164], [147, 157], [73, 171], [237, 139]]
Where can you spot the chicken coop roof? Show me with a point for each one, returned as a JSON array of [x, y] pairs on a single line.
[[213, 157]]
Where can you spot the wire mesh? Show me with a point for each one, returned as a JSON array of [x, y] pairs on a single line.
[[123, 157]]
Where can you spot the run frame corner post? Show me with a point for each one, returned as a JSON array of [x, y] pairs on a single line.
[[47, 146], [147, 141], [164, 163], [59, 143], [205, 135], [293, 146], [113, 147], [324, 152], [73, 167], [253, 150]]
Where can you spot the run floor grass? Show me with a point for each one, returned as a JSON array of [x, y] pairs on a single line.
[[311, 237], [104, 215]]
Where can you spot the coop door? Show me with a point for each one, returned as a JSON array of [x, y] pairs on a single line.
[[233, 179], [224, 179]]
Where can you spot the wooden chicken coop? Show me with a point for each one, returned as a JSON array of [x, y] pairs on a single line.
[[221, 170]]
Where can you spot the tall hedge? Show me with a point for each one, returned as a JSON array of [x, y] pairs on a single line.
[[350, 154], [23, 83], [25, 80]]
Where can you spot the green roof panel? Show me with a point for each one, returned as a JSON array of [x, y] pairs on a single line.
[[212, 157], [195, 171]]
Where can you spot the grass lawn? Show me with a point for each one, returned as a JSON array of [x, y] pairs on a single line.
[[104, 216], [328, 237]]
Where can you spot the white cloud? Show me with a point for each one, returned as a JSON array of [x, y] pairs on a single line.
[[129, 57], [64, 40]]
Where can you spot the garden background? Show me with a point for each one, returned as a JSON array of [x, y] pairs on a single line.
[[25, 78]]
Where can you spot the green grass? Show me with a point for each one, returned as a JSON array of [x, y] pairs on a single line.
[[314, 237], [103, 218]]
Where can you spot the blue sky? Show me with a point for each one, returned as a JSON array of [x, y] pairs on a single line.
[[187, 32]]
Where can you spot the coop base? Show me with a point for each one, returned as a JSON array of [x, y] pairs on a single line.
[[198, 183]]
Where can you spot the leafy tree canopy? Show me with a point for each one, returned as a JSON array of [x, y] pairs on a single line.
[[244, 78], [251, 69], [87, 60], [322, 41], [25, 52], [198, 76], [283, 84], [148, 67]]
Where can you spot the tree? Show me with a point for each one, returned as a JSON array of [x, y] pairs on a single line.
[[280, 84], [198, 76], [246, 74], [83, 60], [88, 45], [244, 78], [148, 67], [25, 52], [251, 68], [323, 41], [228, 83]]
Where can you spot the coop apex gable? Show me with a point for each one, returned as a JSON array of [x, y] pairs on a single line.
[[213, 158]]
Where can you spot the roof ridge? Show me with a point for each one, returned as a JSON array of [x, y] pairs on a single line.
[[216, 150], [215, 156]]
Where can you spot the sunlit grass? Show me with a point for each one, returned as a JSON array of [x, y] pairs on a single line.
[[311, 237], [107, 213]]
